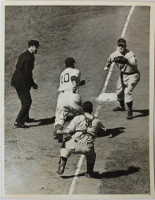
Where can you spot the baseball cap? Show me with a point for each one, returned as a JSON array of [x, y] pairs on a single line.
[[121, 41], [34, 43], [69, 61]]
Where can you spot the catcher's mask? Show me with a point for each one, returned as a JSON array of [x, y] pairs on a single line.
[[69, 62]]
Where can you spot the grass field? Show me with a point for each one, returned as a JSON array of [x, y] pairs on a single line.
[[89, 34]]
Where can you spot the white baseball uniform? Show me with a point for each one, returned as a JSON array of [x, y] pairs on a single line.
[[86, 128], [69, 100], [129, 76]]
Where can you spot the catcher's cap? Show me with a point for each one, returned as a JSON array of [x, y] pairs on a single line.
[[69, 61], [33, 43], [121, 41]]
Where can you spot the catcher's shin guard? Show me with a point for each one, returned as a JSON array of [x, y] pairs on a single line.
[[62, 164]]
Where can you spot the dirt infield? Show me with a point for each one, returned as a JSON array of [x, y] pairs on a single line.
[[89, 34]]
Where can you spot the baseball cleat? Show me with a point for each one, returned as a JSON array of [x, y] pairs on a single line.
[[60, 170], [130, 116], [88, 175]]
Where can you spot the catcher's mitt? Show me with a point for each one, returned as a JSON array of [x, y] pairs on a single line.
[[121, 60]]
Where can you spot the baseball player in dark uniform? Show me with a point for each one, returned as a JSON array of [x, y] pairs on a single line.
[[83, 129], [22, 80], [129, 76]]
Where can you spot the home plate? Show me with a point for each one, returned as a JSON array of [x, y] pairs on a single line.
[[107, 97]]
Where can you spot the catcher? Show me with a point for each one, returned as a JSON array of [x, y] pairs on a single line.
[[129, 76], [83, 129]]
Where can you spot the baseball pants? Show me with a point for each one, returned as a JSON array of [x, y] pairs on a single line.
[[68, 102], [125, 86], [25, 98], [79, 147]]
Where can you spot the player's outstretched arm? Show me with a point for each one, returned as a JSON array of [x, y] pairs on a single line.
[[64, 132], [108, 63], [82, 82]]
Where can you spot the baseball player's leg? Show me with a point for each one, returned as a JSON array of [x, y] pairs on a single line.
[[90, 158], [83, 147], [26, 101], [64, 155], [132, 82], [60, 110], [120, 95], [61, 113]]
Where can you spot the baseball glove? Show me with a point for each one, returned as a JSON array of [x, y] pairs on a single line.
[[121, 60], [83, 82]]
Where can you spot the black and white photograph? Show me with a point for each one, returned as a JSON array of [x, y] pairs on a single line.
[[78, 98]]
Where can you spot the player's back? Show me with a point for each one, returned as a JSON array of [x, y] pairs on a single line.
[[65, 79]]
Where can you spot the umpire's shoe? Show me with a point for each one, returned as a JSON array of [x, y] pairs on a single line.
[[19, 125]]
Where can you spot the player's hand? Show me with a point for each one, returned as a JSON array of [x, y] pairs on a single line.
[[105, 68], [35, 86], [82, 82]]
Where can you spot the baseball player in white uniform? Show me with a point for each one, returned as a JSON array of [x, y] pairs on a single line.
[[129, 76], [69, 100], [83, 129]]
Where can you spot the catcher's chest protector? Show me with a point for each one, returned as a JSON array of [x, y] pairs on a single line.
[[88, 125]]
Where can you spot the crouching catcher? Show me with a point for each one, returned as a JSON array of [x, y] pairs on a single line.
[[82, 131]]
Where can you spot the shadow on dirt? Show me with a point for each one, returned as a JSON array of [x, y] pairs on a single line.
[[113, 132], [44, 122], [143, 113], [112, 174], [48, 121]]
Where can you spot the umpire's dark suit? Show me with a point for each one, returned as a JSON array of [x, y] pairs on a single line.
[[22, 80]]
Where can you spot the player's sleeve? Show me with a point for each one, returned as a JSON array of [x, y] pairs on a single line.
[[75, 79], [132, 60], [72, 125], [110, 59]]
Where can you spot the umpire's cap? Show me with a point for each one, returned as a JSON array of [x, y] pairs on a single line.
[[69, 61], [121, 41], [88, 106], [33, 43]]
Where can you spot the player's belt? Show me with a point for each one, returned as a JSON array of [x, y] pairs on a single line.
[[128, 73]]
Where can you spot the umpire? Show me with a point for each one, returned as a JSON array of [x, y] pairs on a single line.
[[22, 80]]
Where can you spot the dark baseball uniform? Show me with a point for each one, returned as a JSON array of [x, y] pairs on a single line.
[[22, 80]]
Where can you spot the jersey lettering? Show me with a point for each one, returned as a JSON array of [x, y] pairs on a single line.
[[65, 78]]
